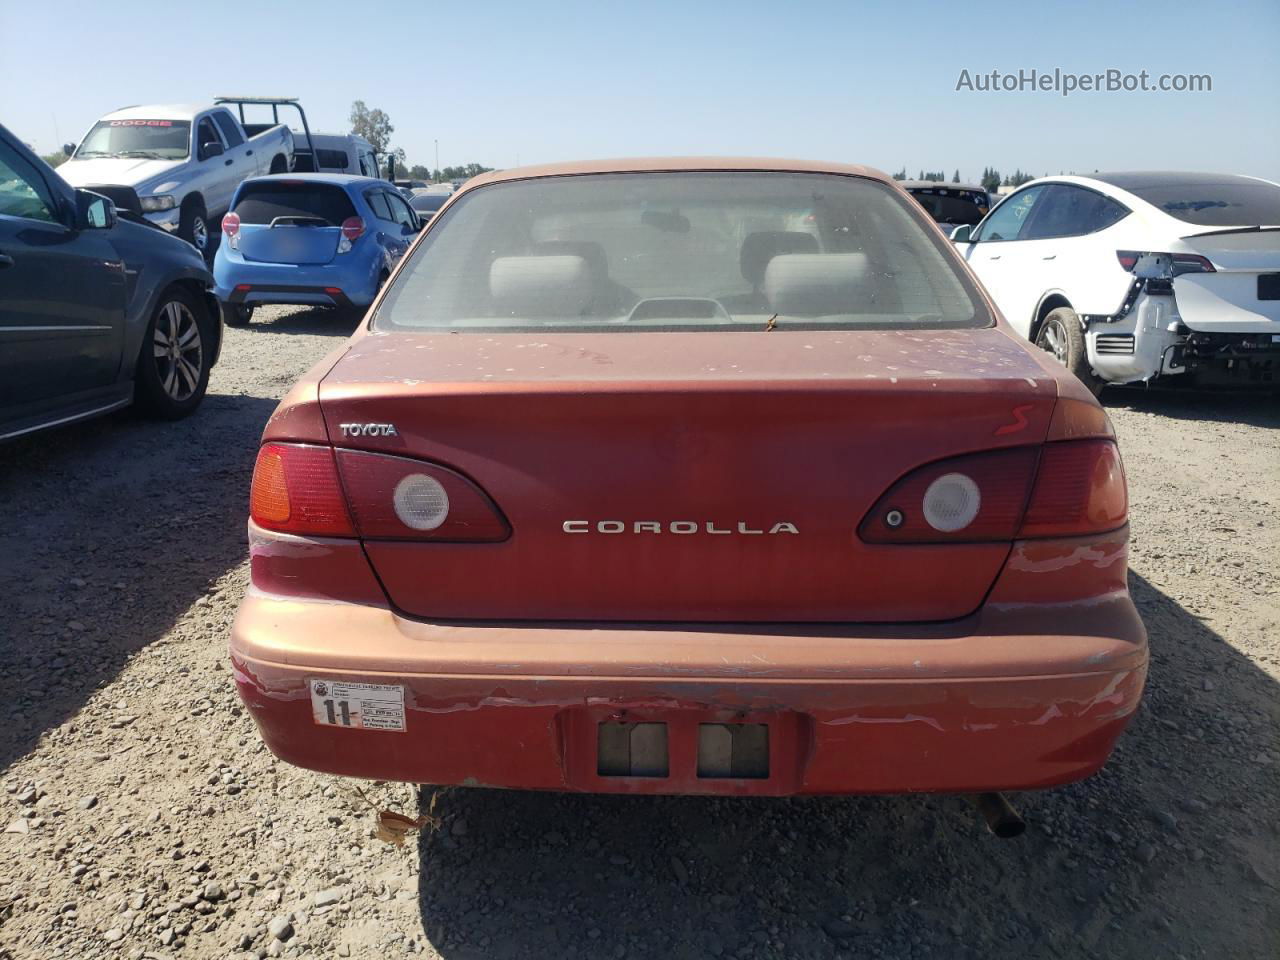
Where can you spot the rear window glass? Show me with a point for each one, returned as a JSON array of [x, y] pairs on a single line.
[[428, 202], [265, 201], [1208, 204], [333, 159], [681, 251], [955, 207]]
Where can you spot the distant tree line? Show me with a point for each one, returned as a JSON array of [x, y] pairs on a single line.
[[376, 127]]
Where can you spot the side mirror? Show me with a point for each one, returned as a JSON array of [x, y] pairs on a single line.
[[961, 234], [210, 150], [68, 149], [94, 212]]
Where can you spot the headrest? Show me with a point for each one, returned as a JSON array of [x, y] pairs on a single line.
[[588, 250], [816, 284], [759, 248], [541, 286]]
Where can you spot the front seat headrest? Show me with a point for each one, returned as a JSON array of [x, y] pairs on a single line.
[[541, 286], [818, 284], [759, 248]]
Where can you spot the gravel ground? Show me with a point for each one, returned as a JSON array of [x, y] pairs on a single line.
[[145, 819]]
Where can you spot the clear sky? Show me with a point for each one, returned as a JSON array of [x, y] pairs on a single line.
[[501, 83]]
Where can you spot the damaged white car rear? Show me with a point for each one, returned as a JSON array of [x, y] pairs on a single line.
[[1128, 277]]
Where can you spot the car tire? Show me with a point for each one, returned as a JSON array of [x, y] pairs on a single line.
[[1061, 335], [193, 226], [279, 164], [177, 351], [236, 314]]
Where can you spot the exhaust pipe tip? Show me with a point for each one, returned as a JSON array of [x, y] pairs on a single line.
[[999, 815]]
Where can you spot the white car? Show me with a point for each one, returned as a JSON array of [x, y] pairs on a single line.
[[1127, 277], [183, 161]]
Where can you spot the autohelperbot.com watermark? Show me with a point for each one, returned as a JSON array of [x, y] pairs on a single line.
[[1065, 83]]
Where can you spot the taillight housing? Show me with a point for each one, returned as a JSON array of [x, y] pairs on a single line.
[[1178, 263], [398, 498], [296, 490], [1064, 489], [314, 490], [352, 230]]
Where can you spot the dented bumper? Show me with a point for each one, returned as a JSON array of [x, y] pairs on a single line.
[[1020, 695]]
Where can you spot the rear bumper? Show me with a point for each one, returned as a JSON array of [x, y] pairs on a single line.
[[987, 703], [292, 284]]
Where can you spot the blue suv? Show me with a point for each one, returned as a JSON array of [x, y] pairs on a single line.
[[317, 239]]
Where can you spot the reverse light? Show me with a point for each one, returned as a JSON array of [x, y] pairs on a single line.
[[951, 503], [157, 203], [421, 503], [352, 230]]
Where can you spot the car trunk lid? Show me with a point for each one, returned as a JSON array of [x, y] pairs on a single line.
[[1242, 294], [291, 220], [290, 242], [687, 477]]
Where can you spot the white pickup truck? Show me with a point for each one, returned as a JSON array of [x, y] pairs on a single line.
[[184, 162]]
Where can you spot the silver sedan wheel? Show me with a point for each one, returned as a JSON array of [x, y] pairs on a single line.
[[1053, 339], [178, 350]]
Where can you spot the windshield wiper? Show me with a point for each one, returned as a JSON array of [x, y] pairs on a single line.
[[145, 154]]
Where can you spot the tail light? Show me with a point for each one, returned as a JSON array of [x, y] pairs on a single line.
[[1178, 263], [317, 491], [231, 227], [296, 490], [1065, 489], [352, 230]]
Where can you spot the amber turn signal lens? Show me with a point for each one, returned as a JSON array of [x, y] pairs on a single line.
[[269, 499]]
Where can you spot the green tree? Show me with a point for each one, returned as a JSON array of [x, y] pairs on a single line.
[[956, 178], [374, 125], [901, 174], [54, 159], [990, 179]]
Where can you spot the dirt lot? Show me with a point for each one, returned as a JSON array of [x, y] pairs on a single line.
[[145, 819]]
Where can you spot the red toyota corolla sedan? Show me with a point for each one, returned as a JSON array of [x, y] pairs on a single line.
[[689, 476]]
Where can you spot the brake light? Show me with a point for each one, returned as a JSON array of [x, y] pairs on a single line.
[[1080, 489], [296, 490], [1179, 263], [1065, 489], [231, 224], [396, 498]]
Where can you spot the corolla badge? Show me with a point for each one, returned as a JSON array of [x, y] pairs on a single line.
[[673, 526], [368, 429]]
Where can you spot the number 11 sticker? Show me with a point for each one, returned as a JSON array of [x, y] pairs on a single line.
[[358, 706]]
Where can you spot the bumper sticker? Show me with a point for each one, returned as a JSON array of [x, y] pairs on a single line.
[[359, 706]]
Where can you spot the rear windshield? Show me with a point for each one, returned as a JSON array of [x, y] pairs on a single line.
[[1231, 204], [265, 201], [680, 251], [146, 139], [428, 202], [955, 207]]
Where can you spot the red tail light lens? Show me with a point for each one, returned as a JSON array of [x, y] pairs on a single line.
[[395, 498], [231, 224], [1080, 489], [1066, 489], [296, 490], [353, 228]]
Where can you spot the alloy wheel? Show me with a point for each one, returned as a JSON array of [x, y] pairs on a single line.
[[178, 350], [200, 234], [1053, 339]]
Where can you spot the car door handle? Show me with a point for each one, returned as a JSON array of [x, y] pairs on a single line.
[[249, 153], [5, 261], [226, 162], [1050, 256], [996, 257]]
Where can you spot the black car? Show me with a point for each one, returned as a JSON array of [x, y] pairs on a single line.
[[426, 204], [950, 204], [98, 308]]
